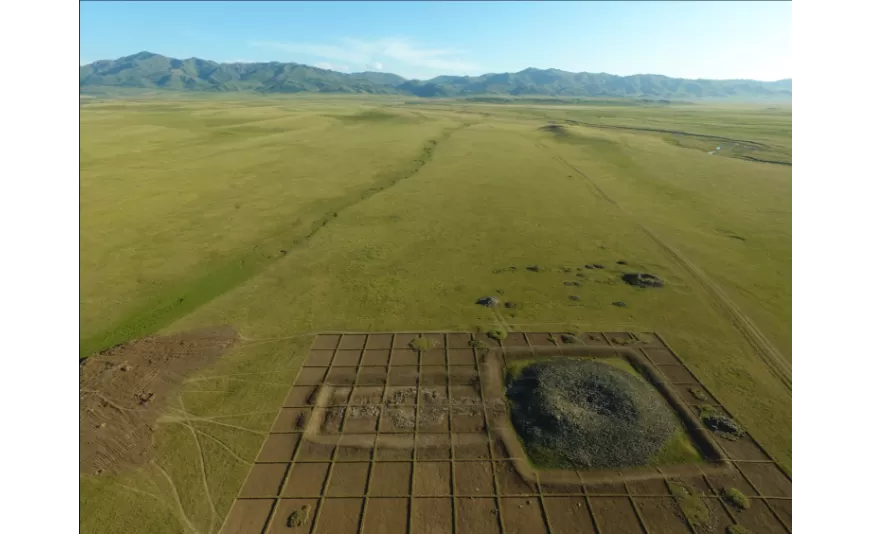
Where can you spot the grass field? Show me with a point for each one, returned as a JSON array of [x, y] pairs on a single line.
[[287, 216]]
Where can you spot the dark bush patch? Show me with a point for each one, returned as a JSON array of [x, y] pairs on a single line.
[[737, 529], [622, 262], [597, 265], [573, 297], [421, 344], [721, 424], [572, 283], [299, 517], [476, 344], [534, 268], [642, 280], [698, 393], [620, 304], [510, 305], [489, 302], [585, 413], [570, 338]]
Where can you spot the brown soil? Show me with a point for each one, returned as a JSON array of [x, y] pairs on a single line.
[[461, 357], [434, 357], [473, 478], [677, 374], [279, 448], [648, 487], [341, 516], [306, 480], [470, 446], [434, 376], [515, 339], [352, 341], [387, 449], [123, 390], [355, 447], [463, 376], [615, 514], [568, 515], [432, 479], [432, 516], [433, 447], [731, 480], [467, 418], [661, 516], [433, 419], [301, 396], [390, 479], [782, 507], [367, 395], [372, 376], [248, 515], [264, 480], [509, 480], [348, 480], [768, 478], [319, 358], [479, 516], [458, 341], [522, 516], [379, 341], [282, 514], [661, 356], [291, 420], [347, 358], [314, 452], [609, 488], [341, 376], [310, 376], [402, 376], [401, 419], [404, 340], [743, 449], [376, 357], [759, 518], [386, 516], [405, 357], [719, 519]]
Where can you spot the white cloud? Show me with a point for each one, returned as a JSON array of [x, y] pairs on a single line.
[[331, 66], [239, 61], [368, 53], [82, 62]]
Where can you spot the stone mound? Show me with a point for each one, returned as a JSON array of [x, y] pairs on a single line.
[[575, 413]]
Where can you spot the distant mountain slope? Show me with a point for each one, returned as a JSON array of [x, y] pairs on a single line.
[[153, 71]]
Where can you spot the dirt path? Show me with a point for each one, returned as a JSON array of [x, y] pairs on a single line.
[[766, 351]]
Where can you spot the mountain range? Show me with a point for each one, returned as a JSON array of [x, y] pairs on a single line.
[[146, 70]]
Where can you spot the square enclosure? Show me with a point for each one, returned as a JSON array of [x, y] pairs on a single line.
[[376, 436]]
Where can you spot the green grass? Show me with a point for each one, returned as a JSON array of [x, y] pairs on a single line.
[[187, 202], [736, 498], [691, 505], [422, 344], [497, 334]]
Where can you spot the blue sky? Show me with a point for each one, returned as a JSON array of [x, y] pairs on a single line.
[[716, 40]]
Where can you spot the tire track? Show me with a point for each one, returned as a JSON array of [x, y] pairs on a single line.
[[185, 521], [202, 469], [766, 351]]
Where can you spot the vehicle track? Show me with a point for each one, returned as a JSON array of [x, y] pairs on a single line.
[[766, 351]]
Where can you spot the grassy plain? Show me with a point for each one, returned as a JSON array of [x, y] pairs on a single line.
[[291, 215]]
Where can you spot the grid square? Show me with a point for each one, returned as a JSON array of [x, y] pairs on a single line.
[[433, 418], [319, 358], [767, 477], [522, 516], [305, 480], [386, 516], [615, 514], [660, 356], [301, 396], [355, 447], [461, 357], [568, 515], [474, 478], [248, 515], [348, 480], [390, 479], [510, 482], [401, 395], [463, 375], [432, 479], [539, 339], [352, 341], [362, 419], [310, 376], [282, 513], [470, 446], [434, 357], [278, 448], [291, 420], [393, 447], [458, 341], [403, 341], [347, 358], [339, 515], [402, 376], [434, 375], [367, 395], [515, 339], [432, 516], [341, 376], [310, 451], [376, 357], [434, 395], [433, 446], [372, 376], [264, 480], [467, 418], [477, 515], [677, 374], [379, 341], [400, 419], [405, 357], [332, 418], [326, 341]]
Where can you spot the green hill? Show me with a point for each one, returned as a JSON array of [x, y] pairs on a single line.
[[153, 71]]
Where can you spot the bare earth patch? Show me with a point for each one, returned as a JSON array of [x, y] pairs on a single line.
[[124, 389]]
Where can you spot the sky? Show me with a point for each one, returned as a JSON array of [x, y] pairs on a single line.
[[715, 40]]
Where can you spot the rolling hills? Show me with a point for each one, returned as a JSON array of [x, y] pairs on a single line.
[[146, 70]]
